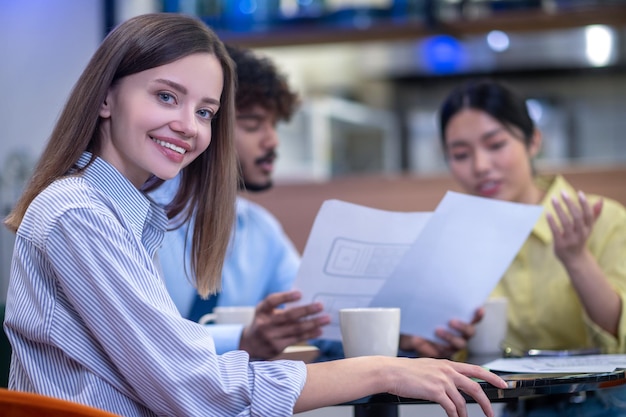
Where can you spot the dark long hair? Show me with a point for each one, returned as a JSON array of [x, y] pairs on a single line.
[[494, 98]]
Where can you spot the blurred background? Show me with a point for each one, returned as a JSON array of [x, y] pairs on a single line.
[[371, 74]]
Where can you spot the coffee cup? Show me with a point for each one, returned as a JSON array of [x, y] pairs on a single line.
[[229, 315], [370, 331], [491, 330]]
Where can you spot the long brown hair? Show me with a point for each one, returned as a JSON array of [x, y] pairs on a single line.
[[208, 184]]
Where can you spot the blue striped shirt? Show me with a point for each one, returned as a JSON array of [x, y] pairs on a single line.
[[90, 320], [261, 260]]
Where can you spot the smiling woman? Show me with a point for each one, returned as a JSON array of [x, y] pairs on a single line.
[[153, 125], [88, 315]]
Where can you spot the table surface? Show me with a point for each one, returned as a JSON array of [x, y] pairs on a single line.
[[525, 385], [521, 386]]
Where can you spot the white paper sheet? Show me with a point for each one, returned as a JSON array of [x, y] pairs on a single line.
[[566, 364], [350, 253], [456, 261], [434, 266]]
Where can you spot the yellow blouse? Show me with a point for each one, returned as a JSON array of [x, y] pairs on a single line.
[[544, 309]]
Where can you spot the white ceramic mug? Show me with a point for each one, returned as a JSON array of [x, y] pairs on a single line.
[[491, 330], [229, 315], [370, 331]]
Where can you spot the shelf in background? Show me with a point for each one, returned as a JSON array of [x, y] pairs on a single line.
[[517, 21]]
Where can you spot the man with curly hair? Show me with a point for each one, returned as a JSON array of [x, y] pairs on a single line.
[[262, 262]]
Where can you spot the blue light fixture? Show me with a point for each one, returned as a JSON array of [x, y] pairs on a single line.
[[442, 54]]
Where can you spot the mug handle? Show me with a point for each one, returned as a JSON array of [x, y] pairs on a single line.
[[208, 318]]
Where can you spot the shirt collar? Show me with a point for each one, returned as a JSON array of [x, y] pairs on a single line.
[[135, 207], [242, 210]]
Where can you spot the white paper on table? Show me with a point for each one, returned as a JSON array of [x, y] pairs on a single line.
[[350, 252], [456, 261], [434, 266], [565, 364]]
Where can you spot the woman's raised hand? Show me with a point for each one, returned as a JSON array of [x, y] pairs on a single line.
[[574, 225]]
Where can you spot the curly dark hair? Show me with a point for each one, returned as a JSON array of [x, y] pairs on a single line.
[[260, 83]]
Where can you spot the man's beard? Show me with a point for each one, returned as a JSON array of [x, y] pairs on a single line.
[[248, 186], [253, 187]]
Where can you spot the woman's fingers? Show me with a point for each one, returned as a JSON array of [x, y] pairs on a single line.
[[564, 219], [575, 216], [446, 381], [475, 391], [597, 208], [575, 219], [578, 217], [587, 211]]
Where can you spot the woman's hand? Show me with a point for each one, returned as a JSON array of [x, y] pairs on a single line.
[[452, 340], [575, 223], [601, 302], [441, 381], [436, 380]]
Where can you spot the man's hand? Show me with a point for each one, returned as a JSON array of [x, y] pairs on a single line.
[[273, 329], [451, 341]]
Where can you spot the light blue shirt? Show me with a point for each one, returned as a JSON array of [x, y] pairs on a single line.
[[261, 260], [90, 319]]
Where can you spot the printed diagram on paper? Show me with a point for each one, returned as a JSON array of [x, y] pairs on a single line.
[[354, 260], [345, 264], [433, 265], [357, 259]]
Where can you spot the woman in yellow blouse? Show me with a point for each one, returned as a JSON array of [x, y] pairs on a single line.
[[567, 285]]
